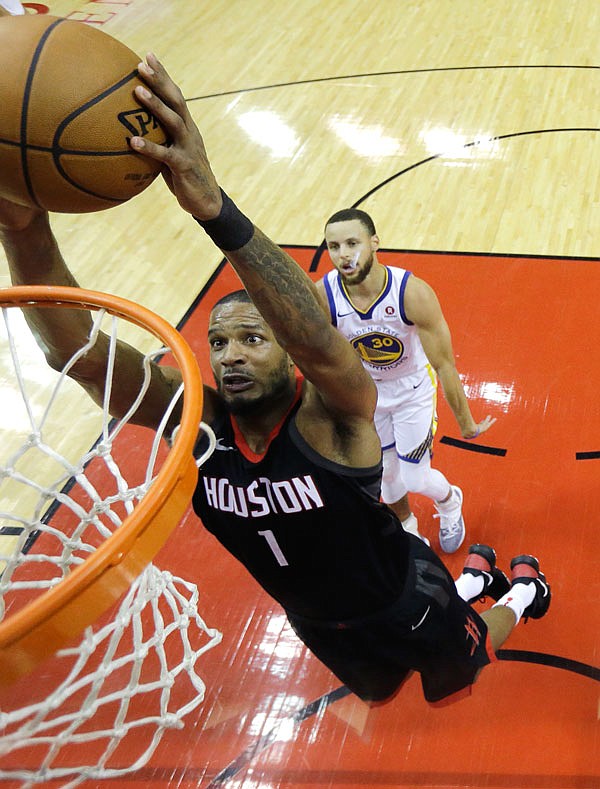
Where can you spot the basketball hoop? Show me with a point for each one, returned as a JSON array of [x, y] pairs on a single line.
[[55, 585]]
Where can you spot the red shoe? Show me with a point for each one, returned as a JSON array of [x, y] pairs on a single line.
[[481, 562], [525, 569]]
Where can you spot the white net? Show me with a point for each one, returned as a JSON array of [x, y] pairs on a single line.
[[98, 709], [120, 680]]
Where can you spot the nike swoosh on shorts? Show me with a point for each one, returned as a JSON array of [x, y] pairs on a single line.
[[421, 620]]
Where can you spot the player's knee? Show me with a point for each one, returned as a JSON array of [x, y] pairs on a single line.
[[416, 477], [392, 486]]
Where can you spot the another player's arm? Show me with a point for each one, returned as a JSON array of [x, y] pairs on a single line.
[[288, 300], [423, 309], [321, 293], [283, 293], [35, 259]]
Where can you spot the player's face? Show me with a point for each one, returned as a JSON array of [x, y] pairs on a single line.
[[351, 249], [251, 370]]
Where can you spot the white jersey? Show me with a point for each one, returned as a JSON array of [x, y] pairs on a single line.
[[386, 341]]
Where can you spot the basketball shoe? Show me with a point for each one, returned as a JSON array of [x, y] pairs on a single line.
[[525, 569], [452, 525], [481, 563]]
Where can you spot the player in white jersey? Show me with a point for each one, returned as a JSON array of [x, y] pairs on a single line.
[[394, 321]]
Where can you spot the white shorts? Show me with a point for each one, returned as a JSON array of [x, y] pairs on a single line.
[[406, 416]]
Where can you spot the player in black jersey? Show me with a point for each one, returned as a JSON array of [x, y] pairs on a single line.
[[292, 489]]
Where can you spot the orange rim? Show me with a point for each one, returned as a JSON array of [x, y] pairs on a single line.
[[59, 615]]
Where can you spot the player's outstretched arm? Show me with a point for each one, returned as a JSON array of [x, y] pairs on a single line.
[[284, 294], [34, 258]]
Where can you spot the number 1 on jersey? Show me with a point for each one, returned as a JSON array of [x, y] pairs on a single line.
[[274, 546]]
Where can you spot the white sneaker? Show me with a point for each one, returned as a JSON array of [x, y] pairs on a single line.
[[11, 7], [411, 525], [452, 525]]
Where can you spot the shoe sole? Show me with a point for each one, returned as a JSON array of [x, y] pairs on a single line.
[[482, 558], [527, 560], [484, 551]]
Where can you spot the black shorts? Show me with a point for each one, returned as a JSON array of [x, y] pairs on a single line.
[[429, 629]]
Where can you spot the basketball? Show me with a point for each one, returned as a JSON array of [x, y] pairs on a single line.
[[68, 111]]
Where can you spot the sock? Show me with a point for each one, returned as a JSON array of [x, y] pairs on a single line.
[[447, 504], [518, 598], [469, 586], [411, 524]]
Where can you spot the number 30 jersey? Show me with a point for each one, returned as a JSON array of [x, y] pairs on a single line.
[[312, 532], [386, 341]]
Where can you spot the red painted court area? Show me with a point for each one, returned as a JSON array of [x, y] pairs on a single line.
[[525, 334]]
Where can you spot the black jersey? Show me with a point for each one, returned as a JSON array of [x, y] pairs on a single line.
[[312, 532]]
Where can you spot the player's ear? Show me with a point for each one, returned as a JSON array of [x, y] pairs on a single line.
[[374, 243]]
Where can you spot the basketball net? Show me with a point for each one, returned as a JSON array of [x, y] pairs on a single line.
[[99, 708]]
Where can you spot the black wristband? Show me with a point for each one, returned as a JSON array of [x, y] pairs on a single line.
[[230, 230]]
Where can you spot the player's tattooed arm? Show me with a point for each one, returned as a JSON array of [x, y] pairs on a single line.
[[283, 293], [288, 300], [285, 296]]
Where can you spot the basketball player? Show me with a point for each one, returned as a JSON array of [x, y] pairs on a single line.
[[293, 488], [394, 321]]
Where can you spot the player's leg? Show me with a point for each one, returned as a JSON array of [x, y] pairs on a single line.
[[402, 509], [418, 476], [450, 643], [500, 624], [393, 491], [395, 495], [465, 646], [452, 524], [415, 424], [527, 595]]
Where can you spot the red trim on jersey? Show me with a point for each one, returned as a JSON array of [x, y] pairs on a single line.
[[241, 442]]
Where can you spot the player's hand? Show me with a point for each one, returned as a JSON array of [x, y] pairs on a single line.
[[186, 168], [480, 428], [15, 217]]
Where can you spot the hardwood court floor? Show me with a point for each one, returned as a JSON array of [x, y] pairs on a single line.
[[469, 131]]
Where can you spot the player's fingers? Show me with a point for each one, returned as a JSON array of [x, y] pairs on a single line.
[[151, 149], [160, 83], [486, 424], [482, 426], [173, 124], [174, 127]]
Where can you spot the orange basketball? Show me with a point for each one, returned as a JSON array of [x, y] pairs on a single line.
[[68, 110]]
